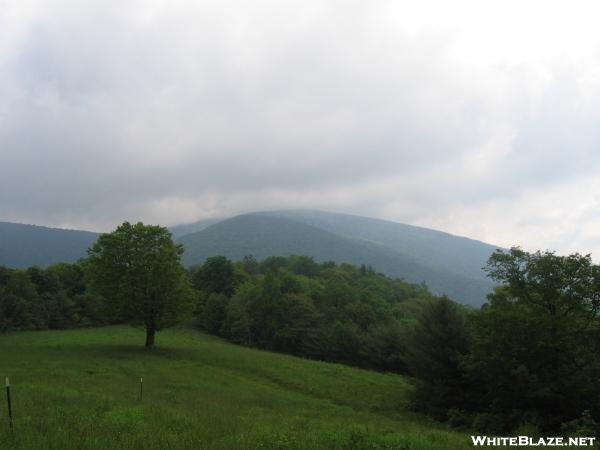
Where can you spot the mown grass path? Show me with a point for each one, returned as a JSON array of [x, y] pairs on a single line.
[[79, 389]]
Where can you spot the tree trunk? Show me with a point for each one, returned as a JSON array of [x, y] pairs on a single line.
[[150, 333]]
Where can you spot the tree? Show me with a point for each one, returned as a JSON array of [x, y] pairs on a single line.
[[535, 344], [212, 313], [296, 319], [137, 269], [434, 352], [250, 265], [239, 322], [216, 276]]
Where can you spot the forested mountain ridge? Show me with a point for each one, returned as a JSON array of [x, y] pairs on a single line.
[[316, 234], [456, 253], [189, 228], [448, 264]]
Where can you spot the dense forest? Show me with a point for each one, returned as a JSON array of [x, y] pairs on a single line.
[[53, 298], [525, 362], [341, 313]]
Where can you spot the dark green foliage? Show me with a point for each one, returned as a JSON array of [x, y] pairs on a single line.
[[438, 341], [385, 346], [323, 311], [449, 264], [535, 345], [583, 426], [296, 318], [54, 298], [217, 275], [435, 351], [212, 312], [250, 265], [136, 268], [239, 320]]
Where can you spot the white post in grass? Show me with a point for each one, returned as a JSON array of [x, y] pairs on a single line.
[[141, 388]]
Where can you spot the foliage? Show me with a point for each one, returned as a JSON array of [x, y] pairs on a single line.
[[54, 298], [216, 276], [535, 345], [435, 351], [449, 264], [137, 269], [323, 311]]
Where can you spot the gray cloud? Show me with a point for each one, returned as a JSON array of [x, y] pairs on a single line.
[[174, 112]]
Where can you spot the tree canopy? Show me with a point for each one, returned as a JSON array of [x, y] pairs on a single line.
[[137, 269], [535, 344]]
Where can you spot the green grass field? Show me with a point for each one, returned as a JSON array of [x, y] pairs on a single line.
[[79, 389]]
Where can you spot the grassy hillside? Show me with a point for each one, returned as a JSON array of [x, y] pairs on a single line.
[[80, 389], [265, 235], [28, 245]]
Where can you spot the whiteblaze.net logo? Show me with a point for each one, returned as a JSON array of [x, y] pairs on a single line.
[[526, 441]]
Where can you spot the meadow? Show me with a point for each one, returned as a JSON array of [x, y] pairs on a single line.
[[80, 389]]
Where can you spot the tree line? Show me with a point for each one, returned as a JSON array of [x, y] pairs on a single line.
[[53, 298], [340, 313], [525, 362]]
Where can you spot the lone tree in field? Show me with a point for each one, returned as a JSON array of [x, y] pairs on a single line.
[[137, 269]]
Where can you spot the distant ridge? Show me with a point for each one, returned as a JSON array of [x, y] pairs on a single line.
[[448, 264], [28, 245], [188, 228], [458, 254]]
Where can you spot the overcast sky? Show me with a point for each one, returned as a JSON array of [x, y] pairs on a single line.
[[477, 118]]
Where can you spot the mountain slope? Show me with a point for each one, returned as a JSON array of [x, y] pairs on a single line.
[[444, 251], [28, 245], [448, 264], [263, 235], [188, 228]]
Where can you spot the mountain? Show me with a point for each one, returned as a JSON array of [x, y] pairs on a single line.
[[447, 264], [28, 245], [445, 251], [188, 228]]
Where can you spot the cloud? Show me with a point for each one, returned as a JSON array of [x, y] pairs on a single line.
[[462, 119]]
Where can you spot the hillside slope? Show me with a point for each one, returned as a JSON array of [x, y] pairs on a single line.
[[263, 235], [440, 251], [188, 228], [79, 389], [456, 253], [28, 245], [448, 264]]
